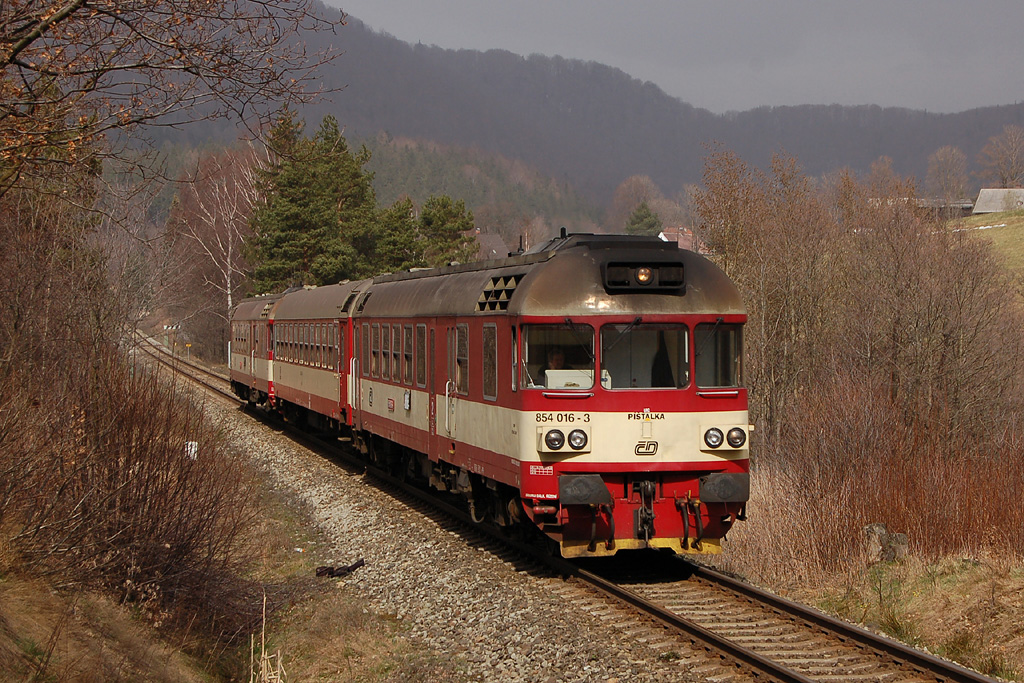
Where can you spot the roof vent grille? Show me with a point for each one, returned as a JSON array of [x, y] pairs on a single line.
[[498, 292]]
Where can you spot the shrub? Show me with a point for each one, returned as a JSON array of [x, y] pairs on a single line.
[[123, 485]]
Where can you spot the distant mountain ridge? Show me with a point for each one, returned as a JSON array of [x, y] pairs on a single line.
[[593, 125]]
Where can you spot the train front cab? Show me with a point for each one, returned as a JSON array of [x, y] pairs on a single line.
[[654, 453]]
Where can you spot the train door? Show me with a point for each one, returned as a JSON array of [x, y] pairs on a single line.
[[358, 357], [254, 336], [431, 368], [451, 397], [336, 345], [457, 384]]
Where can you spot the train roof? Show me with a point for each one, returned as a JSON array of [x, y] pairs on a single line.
[[255, 308], [568, 276], [573, 275], [327, 301]]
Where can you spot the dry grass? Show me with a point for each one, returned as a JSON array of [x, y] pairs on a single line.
[[964, 608], [966, 604], [315, 629], [46, 636], [1004, 230]]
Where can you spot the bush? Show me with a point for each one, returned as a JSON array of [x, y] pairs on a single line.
[[119, 483]]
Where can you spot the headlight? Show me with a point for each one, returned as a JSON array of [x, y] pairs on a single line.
[[554, 439], [736, 437], [643, 275], [577, 439], [713, 437]]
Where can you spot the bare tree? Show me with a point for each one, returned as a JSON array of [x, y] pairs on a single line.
[[947, 174], [212, 214], [631, 193], [72, 71], [1002, 159], [205, 243]]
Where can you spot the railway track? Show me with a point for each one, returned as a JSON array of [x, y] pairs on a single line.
[[209, 379], [730, 630], [800, 638]]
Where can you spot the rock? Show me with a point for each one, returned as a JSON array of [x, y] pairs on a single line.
[[881, 545]]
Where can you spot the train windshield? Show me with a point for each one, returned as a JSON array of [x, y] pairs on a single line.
[[717, 355], [557, 357], [644, 356]]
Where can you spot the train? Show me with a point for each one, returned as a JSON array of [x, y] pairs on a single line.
[[589, 389]]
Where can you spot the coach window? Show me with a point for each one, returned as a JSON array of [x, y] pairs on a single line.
[[364, 360], [718, 350], [462, 359], [490, 361], [515, 359], [375, 351], [396, 352], [341, 347], [329, 362], [557, 357], [407, 376], [644, 356], [385, 352], [337, 341], [310, 344], [321, 345], [421, 355]]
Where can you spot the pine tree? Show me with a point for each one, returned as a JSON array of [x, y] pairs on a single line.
[[397, 245], [446, 231], [643, 221], [319, 209]]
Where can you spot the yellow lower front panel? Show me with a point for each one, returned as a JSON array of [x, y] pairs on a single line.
[[572, 549]]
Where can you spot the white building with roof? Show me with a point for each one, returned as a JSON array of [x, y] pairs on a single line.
[[998, 200]]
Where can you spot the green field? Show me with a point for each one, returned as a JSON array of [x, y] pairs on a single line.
[[1006, 232]]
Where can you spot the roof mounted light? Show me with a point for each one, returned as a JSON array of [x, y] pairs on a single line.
[[643, 275]]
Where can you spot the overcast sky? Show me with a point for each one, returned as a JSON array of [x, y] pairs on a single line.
[[722, 55]]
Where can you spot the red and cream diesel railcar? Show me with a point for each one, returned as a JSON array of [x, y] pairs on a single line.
[[590, 387]]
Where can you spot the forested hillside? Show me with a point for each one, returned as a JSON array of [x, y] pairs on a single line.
[[592, 126], [507, 196]]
